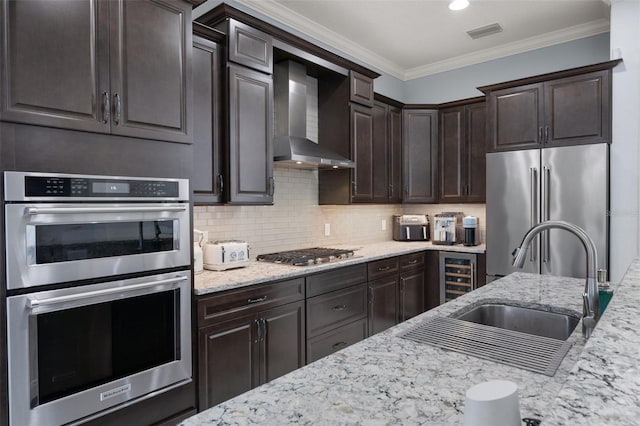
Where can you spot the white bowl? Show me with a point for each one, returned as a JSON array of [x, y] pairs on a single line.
[[492, 403]]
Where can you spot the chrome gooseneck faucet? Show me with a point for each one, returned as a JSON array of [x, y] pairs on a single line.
[[590, 298]]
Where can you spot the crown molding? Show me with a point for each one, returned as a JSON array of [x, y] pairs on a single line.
[[331, 39], [556, 37], [343, 45]]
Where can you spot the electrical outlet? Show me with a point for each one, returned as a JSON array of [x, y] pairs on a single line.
[[384, 224], [327, 229]]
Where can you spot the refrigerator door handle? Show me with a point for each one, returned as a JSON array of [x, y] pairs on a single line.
[[546, 244], [533, 184]]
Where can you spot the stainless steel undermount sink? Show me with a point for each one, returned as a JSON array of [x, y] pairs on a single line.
[[525, 320], [522, 337]]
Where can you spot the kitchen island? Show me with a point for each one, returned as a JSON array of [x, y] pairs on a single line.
[[387, 379]]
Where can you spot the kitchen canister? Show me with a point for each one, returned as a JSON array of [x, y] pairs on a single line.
[[492, 403]]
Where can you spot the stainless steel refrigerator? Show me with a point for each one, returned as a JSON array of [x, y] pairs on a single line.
[[562, 183]]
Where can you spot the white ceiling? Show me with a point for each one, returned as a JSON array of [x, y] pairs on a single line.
[[413, 38]]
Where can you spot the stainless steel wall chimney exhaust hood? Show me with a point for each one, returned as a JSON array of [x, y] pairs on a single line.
[[290, 145]]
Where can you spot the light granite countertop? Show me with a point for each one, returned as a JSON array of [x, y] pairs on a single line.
[[387, 379], [260, 272]]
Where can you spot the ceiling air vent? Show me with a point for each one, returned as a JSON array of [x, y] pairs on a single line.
[[485, 31]]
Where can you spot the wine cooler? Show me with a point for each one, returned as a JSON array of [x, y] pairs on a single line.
[[458, 274]]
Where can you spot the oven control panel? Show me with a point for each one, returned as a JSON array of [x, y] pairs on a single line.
[[36, 186], [40, 186]]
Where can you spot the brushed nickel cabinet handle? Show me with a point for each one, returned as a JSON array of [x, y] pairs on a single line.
[[384, 268], [257, 300], [221, 183], [339, 345], [117, 108], [339, 308], [106, 108]]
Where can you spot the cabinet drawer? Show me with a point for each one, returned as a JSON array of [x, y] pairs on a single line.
[[383, 267], [335, 309], [337, 339], [336, 279], [223, 306], [410, 261]]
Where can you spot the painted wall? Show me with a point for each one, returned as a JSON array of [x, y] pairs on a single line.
[[625, 151]]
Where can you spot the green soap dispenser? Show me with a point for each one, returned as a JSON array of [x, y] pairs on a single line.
[[605, 292]]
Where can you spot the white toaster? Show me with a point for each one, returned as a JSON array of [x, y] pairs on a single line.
[[223, 255]]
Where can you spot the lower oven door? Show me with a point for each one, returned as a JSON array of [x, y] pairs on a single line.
[[75, 352]]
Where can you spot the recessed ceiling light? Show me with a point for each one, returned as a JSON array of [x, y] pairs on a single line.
[[458, 4]]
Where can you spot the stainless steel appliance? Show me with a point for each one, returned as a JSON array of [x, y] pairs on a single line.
[[561, 183], [447, 228], [307, 257], [98, 293], [410, 227], [470, 225], [228, 254], [458, 274]]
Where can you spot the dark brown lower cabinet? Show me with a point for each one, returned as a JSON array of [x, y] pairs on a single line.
[[383, 304], [411, 289], [248, 337], [238, 355]]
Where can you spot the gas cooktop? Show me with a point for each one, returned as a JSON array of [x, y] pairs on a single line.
[[306, 257]]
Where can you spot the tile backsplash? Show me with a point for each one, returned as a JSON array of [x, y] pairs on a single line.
[[295, 220]]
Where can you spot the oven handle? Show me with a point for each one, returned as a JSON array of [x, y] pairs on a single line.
[[32, 211], [34, 303]]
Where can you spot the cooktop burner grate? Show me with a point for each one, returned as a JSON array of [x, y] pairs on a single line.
[[307, 257]]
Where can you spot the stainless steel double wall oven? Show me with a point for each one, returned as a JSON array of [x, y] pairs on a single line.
[[98, 293]]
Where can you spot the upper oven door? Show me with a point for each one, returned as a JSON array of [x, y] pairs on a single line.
[[56, 243]]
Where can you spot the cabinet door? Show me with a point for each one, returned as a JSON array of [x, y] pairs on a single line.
[[420, 155], [577, 109], [55, 63], [411, 294], [380, 153], [363, 153], [206, 179], [228, 360], [394, 149], [283, 348], [383, 304], [150, 62], [476, 149], [452, 152], [250, 133], [250, 47], [360, 88], [516, 118]]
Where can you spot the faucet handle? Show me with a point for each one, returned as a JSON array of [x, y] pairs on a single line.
[[587, 305], [602, 277]]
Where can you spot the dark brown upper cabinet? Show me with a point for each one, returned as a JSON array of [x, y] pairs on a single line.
[[572, 108], [249, 128], [462, 153], [376, 145], [420, 155], [233, 148], [248, 46], [360, 88], [364, 153], [207, 179], [120, 67]]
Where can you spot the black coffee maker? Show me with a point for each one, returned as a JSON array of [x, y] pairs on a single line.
[[470, 225]]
